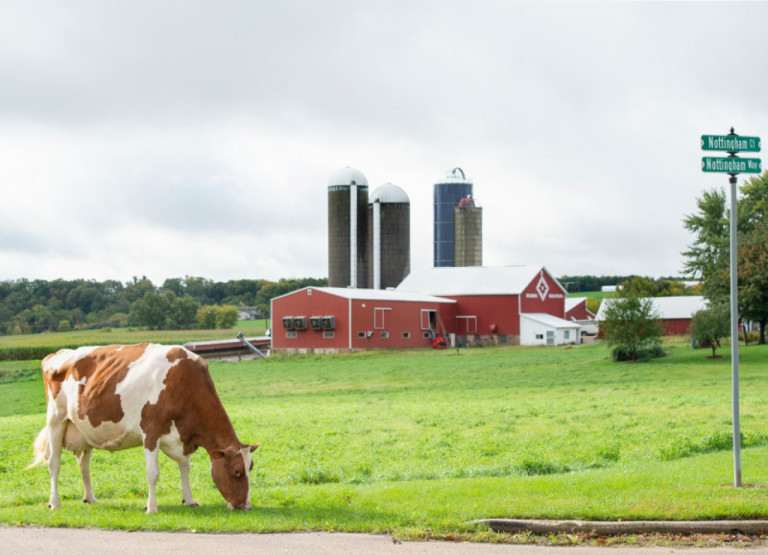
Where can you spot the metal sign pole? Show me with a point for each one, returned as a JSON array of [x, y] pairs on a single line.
[[735, 339], [733, 165]]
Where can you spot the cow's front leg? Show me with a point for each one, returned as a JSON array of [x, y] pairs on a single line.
[[186, 488], [84, 462], [153, 473]]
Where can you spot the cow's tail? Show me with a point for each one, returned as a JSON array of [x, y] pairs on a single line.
[[40, 448]]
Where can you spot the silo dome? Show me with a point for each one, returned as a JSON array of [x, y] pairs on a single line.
[[389, 193], [347, 176]]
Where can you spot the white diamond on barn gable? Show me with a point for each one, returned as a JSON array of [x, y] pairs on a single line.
[[542, 288]]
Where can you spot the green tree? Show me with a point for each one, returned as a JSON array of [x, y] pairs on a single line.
[[630, 324], [227, 316], [206, 317], [593, 304], [753, 276], [183, 313], [710, 325], [708, 254], [152, 310], [222, 317]]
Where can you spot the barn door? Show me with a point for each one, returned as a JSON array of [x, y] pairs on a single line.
[[550, 338]]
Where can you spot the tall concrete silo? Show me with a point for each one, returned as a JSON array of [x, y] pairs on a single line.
[[347, 228], [469, 233], [447, 194], [389, 236]]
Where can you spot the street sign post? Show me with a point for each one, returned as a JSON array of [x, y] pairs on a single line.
[[730, 143], [733, 165]]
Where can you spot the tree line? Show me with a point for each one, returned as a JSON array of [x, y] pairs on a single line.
[[35, 306], [708, 258]]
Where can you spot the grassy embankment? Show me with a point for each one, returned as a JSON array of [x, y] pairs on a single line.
[[24, 347], [422, 442]]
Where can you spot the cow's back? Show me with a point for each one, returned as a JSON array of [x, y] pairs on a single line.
[[103, 391]]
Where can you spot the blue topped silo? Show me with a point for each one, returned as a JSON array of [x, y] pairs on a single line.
[[448, 194]]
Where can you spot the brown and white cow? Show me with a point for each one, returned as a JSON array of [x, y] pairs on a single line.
[[158, 396]]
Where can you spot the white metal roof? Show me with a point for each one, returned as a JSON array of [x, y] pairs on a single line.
[[389, 193], [668, 308], [345, 176], [471, 280], [374, 294], [549, 320]]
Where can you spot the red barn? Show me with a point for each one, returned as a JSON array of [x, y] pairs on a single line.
[[332, 319], [576, 309], [491, 300], [675, 313]]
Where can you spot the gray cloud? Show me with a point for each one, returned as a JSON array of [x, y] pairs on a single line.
[[207, 123]]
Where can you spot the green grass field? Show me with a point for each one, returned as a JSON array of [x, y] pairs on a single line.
[[419, 443]]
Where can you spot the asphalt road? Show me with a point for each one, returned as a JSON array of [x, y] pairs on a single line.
[[82, 541]]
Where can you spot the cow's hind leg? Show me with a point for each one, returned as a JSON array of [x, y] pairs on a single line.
[[84, 462], [55, 439]]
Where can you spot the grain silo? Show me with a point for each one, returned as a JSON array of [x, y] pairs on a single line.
[[469, 233], [347, 228], [389, 236], [448, 194]]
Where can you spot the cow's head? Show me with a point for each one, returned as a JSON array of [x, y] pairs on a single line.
[[230, 470]]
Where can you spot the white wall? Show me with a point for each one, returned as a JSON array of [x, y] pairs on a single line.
[[535, 333]]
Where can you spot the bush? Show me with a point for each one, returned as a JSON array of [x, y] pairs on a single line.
[[643, 353]]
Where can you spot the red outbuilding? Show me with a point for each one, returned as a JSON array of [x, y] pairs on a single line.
[[333, 319], [675, 313], [576, 309]]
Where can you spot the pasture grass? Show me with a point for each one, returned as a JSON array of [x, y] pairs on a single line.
[[420, 443]]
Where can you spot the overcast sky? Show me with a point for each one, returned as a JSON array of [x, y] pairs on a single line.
[[175, 138]]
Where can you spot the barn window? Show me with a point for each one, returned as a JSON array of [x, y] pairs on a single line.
[[378, 317], [385, 335], [361, 334], [290, 334], [328, 334], [539, 336], [406, 335], [566, 334]]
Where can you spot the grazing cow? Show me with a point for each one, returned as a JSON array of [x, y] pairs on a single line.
[[123, 396]]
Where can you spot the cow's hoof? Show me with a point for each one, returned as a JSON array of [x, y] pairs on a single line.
[[89, 501]]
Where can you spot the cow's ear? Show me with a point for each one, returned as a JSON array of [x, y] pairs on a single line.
[[218, 454], [254, 447]]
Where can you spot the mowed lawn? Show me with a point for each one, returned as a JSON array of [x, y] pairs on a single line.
[[423, 442]]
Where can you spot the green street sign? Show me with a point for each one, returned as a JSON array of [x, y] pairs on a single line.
[[731, 165], [730, 143]]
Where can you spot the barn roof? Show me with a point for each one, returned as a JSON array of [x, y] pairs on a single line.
[[375, 294], [471, 280], [549, 320], [668, 308]]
